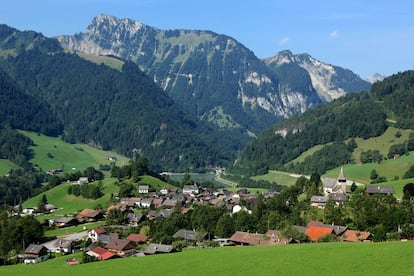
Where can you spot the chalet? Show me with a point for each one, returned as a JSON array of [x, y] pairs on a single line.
[[169, 203], [121, 247], [134, 219], [190, 235], [316, 232], [156, 202], [158, 249], [143, 189], [35, 253], [89, 215], [272, 237], [50, 208], [137, 238], [65, 222], [338, 197], [382, 190], [94, 233], [318, 201], [337, 229], [356, 236], [190, 190], [146, 203], [63, 246], [101, 254]]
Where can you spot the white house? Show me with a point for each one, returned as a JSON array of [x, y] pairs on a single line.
[[143, 189]]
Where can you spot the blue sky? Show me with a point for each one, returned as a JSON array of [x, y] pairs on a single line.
[[362, 35]]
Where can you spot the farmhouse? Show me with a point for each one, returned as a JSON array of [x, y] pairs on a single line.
[[319, 201], [121, 247], [101, 254], [356, 236], [35, 253], [383, 190], [65, 222], [63, 246], [272, 237], [89, 215], [143, 189], [95, 233], [154, 248]]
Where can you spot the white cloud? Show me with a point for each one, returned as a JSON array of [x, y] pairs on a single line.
[[284, 40], [334, 34]]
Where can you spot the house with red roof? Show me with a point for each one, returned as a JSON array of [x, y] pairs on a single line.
[[356, 236], [137, 238], [316, 232], [101, 254]]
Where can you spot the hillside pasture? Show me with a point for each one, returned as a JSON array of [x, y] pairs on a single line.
[[6, 165], [391, 258], [53, 153], [281, 178], [70, 204]]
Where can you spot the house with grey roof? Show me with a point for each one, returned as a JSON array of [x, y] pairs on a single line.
[[154, 248], [382, 190], [35, 253]]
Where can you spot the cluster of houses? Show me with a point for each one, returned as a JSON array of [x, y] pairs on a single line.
[[161, 204], [337, 189], [107, 246]]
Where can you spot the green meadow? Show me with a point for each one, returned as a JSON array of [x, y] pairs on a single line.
[[281, 178], [391, 258], [69, 204], [53, 153]]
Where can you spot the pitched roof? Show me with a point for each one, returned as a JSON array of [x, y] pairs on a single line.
[[62, 243], [89, 213], [272, 237], [118, 244], [380, 190], [34, 249], [158, 248], [99, 230], [315, 232], [137, 238], [355, 236], [101, 253]]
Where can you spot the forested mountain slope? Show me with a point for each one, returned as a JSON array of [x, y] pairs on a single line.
[[110, 109], [212, 76], [363, 115]]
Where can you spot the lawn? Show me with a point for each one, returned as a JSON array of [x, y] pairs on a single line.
[[391, 258], [53, 153]]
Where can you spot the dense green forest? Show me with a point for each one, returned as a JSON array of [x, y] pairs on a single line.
[[109, 109], [363, 115]]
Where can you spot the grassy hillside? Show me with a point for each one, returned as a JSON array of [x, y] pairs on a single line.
[[108, 61], [53, 153], [391, 258], [70, 204], [6, 165], [281, 178]]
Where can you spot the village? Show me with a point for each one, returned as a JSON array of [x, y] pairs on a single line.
[[108, 241]]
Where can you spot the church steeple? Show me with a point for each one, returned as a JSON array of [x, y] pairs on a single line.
[[341, 176], [341, 181]]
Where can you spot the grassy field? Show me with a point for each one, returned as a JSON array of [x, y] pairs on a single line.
[[70, 204], [108, 61], [6, 166], [53, 153], [281, 178], [392, 258]]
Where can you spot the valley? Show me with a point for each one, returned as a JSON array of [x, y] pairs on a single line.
[[182, 147]]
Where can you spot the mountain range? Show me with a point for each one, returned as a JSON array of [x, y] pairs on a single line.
[[183, 98], [215, 77]]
